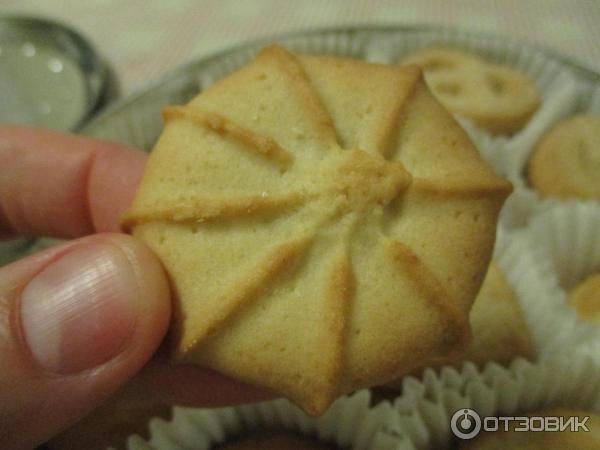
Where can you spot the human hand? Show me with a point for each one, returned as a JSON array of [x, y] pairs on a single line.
[[78, 320]]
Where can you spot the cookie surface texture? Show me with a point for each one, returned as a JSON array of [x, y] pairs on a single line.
[[325, 223], [494, 97]]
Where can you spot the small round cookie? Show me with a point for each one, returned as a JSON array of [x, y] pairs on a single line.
[[494, 97], [566, 161], [276, 440], [541, 440], [585, 298]]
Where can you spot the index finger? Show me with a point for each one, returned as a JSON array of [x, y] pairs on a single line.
[[62, 185]]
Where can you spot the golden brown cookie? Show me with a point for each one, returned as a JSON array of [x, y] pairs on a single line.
[[540, 440], [585, 298], [326, 224], [494, 97], [566, 161], [276, 440]]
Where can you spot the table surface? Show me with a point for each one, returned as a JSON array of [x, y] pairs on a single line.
[[143, 39]]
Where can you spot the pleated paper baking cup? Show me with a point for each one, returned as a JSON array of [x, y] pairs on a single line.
[[350, 423], [518, 208], [553, 325], [565, 242], [422, 414]]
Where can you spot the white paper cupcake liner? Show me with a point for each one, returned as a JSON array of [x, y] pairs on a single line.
[[567, 239], [565, 243], [518, 209], [423, 412], [553, 325], [349, 423]]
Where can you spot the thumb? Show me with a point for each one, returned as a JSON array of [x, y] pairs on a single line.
[[76, 322]]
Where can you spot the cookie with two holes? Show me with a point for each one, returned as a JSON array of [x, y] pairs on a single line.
[[325, 223], [495, 97]]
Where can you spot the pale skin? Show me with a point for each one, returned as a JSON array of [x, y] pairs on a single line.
[[72, 187]]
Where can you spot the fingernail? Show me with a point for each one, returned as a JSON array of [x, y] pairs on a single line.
[[80, 311]]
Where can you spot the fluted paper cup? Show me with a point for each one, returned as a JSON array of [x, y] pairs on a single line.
[[350, 423], [423, 413], [565, 242], [554, 325]]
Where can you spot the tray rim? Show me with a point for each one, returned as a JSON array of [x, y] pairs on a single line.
[[154, 85]]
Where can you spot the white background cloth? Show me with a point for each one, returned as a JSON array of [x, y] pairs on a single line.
[[143, 39]]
